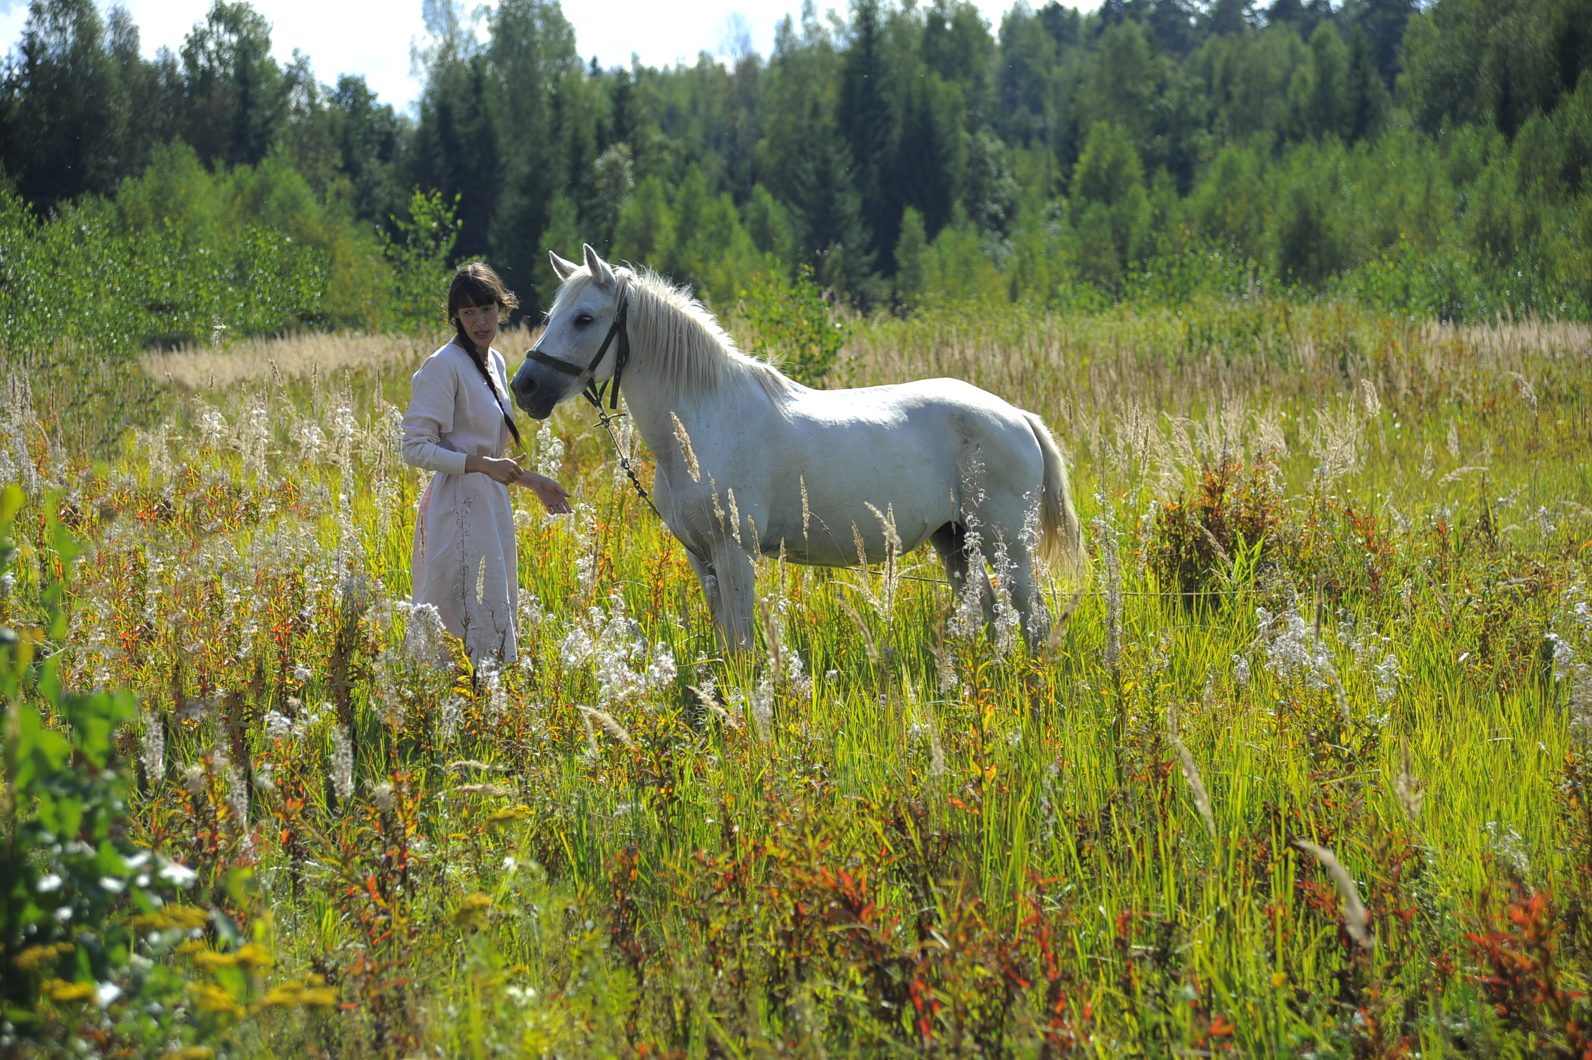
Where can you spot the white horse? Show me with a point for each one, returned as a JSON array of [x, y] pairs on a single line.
[[752, 462]]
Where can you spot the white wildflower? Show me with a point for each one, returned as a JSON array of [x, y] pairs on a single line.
[[423, 640], [154, 749], [763, 707], [662, 670], [1294, 648], [1007, 622], [212, 427], [1508, 846], [238, 796], [451, 717], [1385, 677], [278, 726], [549, 452], [342, 764], [968, 618], [796, 673], [576, 647]]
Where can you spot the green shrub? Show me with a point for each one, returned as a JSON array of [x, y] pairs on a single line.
[[792, 324], [88, 923]]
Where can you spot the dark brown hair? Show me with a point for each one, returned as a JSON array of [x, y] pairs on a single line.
[[476, 284]]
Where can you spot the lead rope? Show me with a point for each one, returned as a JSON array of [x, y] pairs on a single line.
[[606, 421]]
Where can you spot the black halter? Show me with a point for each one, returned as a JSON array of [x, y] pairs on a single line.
[[592, 391]]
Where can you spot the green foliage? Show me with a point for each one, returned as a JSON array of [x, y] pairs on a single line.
[[1110, 208], [236, 93], [84, 279], [420, 262], [88, 922], [957, 268], [1304, 145], [562, 237], [910, 254], [792, 324]]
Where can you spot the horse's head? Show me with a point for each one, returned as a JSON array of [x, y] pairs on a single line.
[[566, 359]]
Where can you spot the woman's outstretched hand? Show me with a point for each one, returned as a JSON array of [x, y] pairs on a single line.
[[553, 496]]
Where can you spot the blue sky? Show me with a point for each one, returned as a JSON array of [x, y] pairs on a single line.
[[373, 37]]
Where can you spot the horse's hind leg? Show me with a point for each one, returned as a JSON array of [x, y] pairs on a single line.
[[950, 541], [1027, 598]]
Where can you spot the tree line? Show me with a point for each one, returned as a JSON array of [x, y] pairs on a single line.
[[1426, 158]]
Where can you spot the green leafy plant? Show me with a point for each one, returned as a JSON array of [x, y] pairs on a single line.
[[420, 260], [85, 917], [793, 324]]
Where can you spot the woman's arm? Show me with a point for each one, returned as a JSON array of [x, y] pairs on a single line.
[[432, 397]]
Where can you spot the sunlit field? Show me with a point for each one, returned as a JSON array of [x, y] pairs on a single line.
[[1302, 770]]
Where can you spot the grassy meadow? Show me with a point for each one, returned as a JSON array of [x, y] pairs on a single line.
[[1304, 769]]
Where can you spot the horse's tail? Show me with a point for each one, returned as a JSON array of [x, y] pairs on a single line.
[[1061, 540]]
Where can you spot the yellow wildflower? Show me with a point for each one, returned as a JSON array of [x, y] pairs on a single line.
[[285, 995], [32, 958], [471, 910], [62, 992], [210, 960], [210, 998], [254, 956], [505, 816], [319, 997], [186, 917]]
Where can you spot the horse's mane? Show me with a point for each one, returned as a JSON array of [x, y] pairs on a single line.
[[684, 341]]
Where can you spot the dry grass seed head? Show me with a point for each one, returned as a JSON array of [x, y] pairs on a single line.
[[1191, 773], [1356, 919], [682, 438], [1410, 791], [607, 721]]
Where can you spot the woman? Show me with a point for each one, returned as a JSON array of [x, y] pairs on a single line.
[[459, 422]]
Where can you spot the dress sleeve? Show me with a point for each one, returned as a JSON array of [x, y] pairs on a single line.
[[430, 416]]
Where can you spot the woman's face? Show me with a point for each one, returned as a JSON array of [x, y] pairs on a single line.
[[480, 322]]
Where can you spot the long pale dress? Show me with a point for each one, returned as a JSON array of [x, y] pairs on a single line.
[[464, 554]]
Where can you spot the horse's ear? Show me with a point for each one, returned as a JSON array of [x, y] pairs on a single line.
[[560, 266], [599, 269]]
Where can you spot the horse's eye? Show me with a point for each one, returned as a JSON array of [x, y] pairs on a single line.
[[584, 319]]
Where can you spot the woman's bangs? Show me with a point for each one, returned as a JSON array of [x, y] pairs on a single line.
[[469, 291]]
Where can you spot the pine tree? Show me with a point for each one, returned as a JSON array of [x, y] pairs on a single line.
[[369, 141], [62, 126], [869, 126], [1383, 22], [1172, 23], [236, 93], [1227, 17]]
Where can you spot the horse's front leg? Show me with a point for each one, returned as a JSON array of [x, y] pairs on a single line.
[[708, 578], [735, 582]]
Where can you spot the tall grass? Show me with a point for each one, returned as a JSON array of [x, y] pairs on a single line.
[[1346, 610]]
